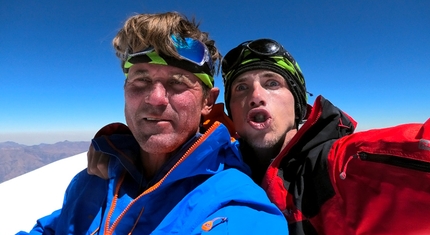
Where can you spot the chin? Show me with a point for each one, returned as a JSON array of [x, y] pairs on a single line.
[[157, 148], [159, 144], [262, 143]]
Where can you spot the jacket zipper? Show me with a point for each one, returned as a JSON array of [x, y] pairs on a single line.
[[396, 161], [389, 160], [109, 230]]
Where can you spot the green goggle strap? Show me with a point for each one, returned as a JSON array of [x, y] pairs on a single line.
[[156, 59], [279, 61]]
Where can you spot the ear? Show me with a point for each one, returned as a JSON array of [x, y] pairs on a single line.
[[210, 101]]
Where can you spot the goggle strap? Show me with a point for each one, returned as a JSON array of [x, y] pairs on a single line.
[[127, 64], [156, 59], [153, 58], [293, 68], [283, 64], [206, 79], [279, 61]]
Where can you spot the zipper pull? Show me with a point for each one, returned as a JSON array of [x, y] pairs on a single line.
[[208, 225]]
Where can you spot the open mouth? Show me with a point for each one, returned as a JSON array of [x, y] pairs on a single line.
[[258, 116]]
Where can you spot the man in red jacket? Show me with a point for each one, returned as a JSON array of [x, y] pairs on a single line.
[[324, 179], [266, 99]]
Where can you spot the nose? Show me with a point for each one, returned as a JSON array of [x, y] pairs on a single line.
[[257, 96], [157, 96]]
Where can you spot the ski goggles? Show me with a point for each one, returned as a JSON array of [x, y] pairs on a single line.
[[259, 49], [194, 55]]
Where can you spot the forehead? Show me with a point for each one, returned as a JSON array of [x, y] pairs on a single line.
[[257, 74], [159, 69]]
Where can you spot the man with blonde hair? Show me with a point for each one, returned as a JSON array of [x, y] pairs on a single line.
[[169, 173]]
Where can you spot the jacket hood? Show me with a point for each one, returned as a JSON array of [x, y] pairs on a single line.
[[204, 154], [325, 122]]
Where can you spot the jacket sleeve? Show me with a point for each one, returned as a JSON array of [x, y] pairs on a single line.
[[47, 225]]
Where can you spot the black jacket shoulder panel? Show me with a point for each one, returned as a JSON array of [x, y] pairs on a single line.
[[304, 166]]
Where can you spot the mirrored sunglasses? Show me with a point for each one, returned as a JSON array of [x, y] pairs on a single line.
[[189, 49]]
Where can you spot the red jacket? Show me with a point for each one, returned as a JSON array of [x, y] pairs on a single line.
[[297, 180], [330, 181]]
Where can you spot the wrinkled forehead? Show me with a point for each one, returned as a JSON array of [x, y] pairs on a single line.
[[162, 73], [158, 69]]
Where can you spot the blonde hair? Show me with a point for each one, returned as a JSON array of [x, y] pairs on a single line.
[[144, 30]]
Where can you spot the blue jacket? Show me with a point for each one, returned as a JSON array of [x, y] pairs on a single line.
[[202, 189]]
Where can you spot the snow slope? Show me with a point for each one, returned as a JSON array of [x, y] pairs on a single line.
[[28, 197]]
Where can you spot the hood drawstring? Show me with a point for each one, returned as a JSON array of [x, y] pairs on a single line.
[[342, 174]]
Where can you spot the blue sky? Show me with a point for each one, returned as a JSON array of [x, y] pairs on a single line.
[[60, 79]]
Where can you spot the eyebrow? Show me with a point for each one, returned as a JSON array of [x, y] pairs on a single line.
[[270, 74], [238, 80], [139, 72]]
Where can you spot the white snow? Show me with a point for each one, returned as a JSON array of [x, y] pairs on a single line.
[[28, 197]]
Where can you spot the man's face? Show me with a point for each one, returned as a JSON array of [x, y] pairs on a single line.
[[262, 108], [163, 106]]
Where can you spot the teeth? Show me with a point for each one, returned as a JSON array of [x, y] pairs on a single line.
[[151, 119], [259, 118]]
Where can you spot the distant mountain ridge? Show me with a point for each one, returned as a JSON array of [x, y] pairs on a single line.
[[17, 159]]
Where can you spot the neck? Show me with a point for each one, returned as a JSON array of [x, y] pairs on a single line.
[[266, 154], [152, 162], [259, 158]]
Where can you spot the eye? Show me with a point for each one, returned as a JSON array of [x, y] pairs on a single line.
[[139, 80], [138, 83], [175, 82], [273, 83], [240, 87], [179, 82], [177, 79]]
